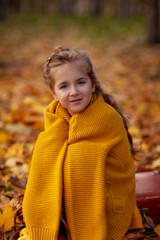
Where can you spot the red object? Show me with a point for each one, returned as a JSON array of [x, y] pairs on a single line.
[[148, 193]]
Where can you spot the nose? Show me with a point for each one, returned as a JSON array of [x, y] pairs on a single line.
[[73, 91]]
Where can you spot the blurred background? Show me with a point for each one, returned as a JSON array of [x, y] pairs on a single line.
[[123, 39]]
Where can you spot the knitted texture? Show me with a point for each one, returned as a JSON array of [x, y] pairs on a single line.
[[86, 156]]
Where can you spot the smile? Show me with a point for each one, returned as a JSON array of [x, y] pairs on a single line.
[[76, 100]]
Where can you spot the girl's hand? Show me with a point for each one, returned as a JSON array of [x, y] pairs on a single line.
[[24, 238], [23, 234]]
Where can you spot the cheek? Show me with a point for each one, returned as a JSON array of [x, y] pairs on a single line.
[[62, 97], [89, 90]]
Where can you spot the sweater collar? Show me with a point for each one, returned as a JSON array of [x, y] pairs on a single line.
[[53, 111], [56, 109], [92, 121]]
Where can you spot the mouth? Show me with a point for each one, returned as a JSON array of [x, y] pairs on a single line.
[[76, 100]]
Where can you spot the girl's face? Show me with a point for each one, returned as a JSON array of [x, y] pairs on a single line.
[[72, 87]]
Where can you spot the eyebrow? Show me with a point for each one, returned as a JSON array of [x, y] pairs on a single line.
[[62, 83], [82, 78]]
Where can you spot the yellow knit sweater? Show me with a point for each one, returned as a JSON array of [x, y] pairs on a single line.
[[86, 156]]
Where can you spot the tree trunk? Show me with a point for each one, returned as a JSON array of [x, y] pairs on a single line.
[[49, 6], [97, 7], [67, 6], [133, 7], [3, 9], [14, 6], [154, 21], [122, 8], [26, 6]]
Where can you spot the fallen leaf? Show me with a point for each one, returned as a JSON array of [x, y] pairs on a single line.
[[13, 161], [17, 128], [4, 137], [133, 131], [155, 163], [148, 222], [134, 235], [7, 218], [15, 150], [4, 201], [19, 182], [157, 229]]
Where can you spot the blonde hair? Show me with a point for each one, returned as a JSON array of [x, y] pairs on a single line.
[[61, 56]]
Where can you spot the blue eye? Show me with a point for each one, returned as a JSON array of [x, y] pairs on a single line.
[[63, 86], [81, 82]]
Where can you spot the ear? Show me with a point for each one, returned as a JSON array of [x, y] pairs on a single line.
[[93, 87], [54, 95]]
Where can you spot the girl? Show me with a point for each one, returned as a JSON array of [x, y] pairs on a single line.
[[83, 160]]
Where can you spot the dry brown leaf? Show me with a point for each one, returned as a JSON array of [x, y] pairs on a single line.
[[148, 222], [134, 235]]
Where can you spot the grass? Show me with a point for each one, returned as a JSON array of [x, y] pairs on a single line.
[[89, 25]]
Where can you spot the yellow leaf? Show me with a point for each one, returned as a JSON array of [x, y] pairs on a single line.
[[137, 141], [16, 150], [155, 163], [4, 137], [157, 229], [144, 146], [133, 130], [7, 218], [157, 149], [141, 108], [33, 103], [4, 201]]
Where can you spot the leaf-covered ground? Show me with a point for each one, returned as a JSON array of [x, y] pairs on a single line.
[[127, 67]]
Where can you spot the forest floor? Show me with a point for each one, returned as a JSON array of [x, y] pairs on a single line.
[[128, 68]]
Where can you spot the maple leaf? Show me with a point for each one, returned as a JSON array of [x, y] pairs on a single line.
[[7, 219]]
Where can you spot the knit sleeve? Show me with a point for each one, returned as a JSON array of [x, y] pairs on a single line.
[[43, 196]]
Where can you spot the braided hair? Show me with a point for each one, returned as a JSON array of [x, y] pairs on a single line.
[[61, 56]]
